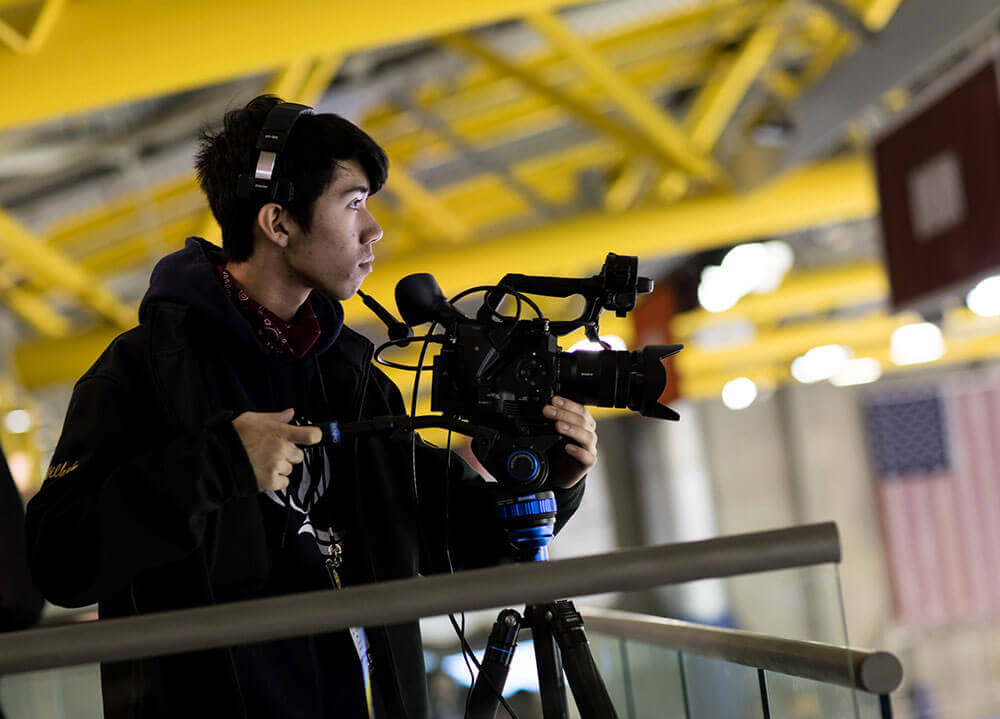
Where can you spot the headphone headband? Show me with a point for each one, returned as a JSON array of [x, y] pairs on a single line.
[[270, 142]]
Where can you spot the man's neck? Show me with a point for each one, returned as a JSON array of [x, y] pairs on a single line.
[[267, 284]]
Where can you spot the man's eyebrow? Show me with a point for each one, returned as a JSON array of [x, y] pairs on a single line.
[[363, 189]]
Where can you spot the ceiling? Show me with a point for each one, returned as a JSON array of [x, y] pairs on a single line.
[[525, 136]]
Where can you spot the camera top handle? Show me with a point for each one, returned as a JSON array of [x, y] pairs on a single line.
[[614, 288]]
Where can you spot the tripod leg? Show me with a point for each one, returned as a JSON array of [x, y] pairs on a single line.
[[584, 679], [486, 692], [550, 672]]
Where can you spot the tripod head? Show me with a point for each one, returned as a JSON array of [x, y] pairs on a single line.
[[529, 522]]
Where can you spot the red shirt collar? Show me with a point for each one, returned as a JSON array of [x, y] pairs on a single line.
[[295, 338]]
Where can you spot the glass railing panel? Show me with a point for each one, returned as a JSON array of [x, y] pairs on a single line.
[[643, 680], [656, 686], [802, 603], [69, 692], [807, 699], [715, 688]]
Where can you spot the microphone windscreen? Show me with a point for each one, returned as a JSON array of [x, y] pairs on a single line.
[[419, 299]]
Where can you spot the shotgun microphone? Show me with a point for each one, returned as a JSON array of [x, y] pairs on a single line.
[[397, 330]]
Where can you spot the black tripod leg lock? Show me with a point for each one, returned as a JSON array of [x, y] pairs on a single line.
[[486, 692]]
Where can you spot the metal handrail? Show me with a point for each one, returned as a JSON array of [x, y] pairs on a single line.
[[402, 600], [878, 672]]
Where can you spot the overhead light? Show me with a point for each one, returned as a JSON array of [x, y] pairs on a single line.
[[857, 371], [916, 343], [616, 342], [751, 267], [820, 363], [716, 291], [745, 264], [739, 393], [984, 298], [17, 421]]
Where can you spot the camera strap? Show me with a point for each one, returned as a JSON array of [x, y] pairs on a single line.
[[334, 558]]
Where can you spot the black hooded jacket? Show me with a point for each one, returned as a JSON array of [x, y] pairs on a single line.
[[153, 495]]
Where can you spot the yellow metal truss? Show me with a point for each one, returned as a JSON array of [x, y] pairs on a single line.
[[50, 269], [32, 308], [728, 84], [37, 19], [658, 126]]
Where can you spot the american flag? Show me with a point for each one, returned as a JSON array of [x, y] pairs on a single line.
[[937, 455]]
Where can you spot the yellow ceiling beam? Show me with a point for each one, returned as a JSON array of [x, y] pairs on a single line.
[[107, 52], [832, 191], [655, 122], [725, 89], [32, 308], [50, 269]]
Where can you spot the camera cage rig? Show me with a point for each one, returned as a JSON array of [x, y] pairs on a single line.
[[496, 372]]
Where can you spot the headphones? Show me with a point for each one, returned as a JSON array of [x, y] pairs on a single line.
[[271, 140]]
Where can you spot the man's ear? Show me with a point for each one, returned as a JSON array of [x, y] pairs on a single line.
[[272, 220]]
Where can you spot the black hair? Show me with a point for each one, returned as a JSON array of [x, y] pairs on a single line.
[[309, 160]]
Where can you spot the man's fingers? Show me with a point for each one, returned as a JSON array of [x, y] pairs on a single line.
[[570, 411], [278, 483], [303, 435], [283, 467], [295, 455], [581, 455], [583, 437], [284, 415]]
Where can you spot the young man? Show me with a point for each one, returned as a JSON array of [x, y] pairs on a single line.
[[189, 471]]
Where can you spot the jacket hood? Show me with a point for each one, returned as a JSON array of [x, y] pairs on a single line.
[[188, 277]]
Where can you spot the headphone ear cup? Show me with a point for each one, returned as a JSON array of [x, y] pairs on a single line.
[[270, 143]]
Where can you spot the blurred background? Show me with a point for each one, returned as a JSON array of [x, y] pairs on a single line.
[[814, 186]]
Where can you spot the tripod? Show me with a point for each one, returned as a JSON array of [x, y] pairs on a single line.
[[556, 628]]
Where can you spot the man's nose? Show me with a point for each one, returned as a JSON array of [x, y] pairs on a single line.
[[373, 233]]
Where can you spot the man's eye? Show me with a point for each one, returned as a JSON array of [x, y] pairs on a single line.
[[355, 204]]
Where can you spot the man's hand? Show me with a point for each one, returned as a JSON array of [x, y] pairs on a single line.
[[574, 422], [271, 444]]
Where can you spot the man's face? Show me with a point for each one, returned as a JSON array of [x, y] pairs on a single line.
[[336, 254]]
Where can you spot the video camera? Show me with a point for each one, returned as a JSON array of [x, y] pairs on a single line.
[[496, 372]]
